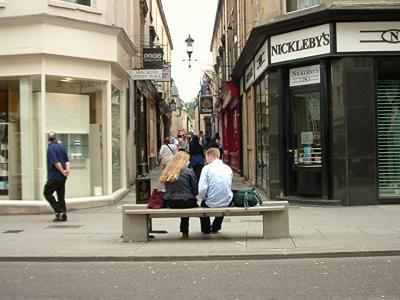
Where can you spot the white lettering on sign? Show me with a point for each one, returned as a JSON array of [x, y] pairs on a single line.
[[300, 44], [305, 75]]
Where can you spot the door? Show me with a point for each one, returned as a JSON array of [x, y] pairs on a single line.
[[304, 143]]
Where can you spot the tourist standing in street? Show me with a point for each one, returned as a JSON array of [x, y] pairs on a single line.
[[58, 169], [215, 188]]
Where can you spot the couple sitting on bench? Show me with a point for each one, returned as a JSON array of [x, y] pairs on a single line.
[[213, 188]]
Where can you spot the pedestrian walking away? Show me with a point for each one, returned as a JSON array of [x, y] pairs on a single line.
[[167, 152], [215, 188], [58, 170], [196, 152], [181, 187]]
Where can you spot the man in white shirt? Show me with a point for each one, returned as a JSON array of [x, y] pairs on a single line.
[[215, 188]]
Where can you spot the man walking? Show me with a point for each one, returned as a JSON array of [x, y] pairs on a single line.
[[215, 188], [57, 173]]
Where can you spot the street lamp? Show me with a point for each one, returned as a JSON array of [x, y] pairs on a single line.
[[189, 48], [172, 105]]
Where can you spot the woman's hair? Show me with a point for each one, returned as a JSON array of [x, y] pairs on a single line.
[[166, 140], [173, 169]]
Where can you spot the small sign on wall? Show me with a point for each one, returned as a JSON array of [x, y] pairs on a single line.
[[305, 75]]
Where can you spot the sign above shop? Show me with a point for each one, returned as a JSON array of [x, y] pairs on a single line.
[[299, 44], [206, 105], [368, 36], [261, 60], [153, 58], [249, 76], [305, 75]]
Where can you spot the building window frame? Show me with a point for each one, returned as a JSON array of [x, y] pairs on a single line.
[[92, 8], [299, 5]]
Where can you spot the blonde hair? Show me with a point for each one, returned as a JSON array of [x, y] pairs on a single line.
[[173, 169], [214, 152]]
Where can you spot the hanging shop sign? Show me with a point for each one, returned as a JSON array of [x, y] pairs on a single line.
[[368, 36], [299, 44], [206, 105], [153, 58], [249, 75], [305, 76], [163, 74], [261, 60]]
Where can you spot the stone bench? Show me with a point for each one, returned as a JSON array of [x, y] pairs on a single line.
[[136, 218]]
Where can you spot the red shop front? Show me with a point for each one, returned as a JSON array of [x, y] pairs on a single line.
[[230, 115]]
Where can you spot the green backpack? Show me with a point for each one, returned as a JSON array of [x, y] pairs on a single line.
[[246, 198]]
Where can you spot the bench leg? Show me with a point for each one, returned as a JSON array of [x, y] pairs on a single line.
[[276, 224], [135, 228]]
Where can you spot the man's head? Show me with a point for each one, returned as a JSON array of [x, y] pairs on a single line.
[[212, 154], [201, 133], [51, 136]]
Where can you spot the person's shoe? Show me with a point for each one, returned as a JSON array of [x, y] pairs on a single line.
[[215, 230], [63, 217], [185, 235], [57, 218]]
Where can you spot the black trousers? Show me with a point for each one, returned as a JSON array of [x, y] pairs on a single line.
[[58, 187], [205, 222], [189, 203]]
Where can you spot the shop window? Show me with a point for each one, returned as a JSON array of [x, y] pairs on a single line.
[[116, 138], [293, 5], [74, 110], [19, 159], [262, 127], [389, 137]]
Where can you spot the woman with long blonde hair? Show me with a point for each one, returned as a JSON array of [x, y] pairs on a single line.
[[181, 187]]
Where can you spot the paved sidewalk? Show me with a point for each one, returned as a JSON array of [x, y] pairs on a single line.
[[95, 234]]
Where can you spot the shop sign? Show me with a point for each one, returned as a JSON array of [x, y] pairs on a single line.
[[249, 75], [261, 60], [368, 36], [299, 44], [143, 74], [206, 105], [153, 58], [305, 75]]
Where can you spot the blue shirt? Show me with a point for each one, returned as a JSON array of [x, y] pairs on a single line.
[[56, 154], [215, 184]]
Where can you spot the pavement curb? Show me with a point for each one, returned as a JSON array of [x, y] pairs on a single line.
[[218, 257]]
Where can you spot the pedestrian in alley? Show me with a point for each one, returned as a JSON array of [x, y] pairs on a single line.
[[196, 152], [167, 152], [215, 188], [181, 187], [217, 143], [58, 170]]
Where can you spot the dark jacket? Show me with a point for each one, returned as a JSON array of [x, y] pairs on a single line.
[[196, 152], [186, 187]]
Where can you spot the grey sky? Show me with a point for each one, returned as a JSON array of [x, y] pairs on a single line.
[[194, 17]]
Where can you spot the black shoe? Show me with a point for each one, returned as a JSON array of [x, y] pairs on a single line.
[[57, 218], [63, 217], [215, 230]]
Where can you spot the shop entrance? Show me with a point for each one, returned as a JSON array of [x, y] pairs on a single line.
[[304, 148]]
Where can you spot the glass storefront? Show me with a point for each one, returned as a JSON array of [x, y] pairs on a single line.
[[74, 110], [262, 141], [18, 138], [116, 138]]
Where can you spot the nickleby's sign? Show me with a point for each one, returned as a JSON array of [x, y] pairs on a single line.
[[305, 75], [368, 36], [302, 43]]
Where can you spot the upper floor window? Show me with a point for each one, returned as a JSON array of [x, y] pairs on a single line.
[[293, 5], [81, 2]]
